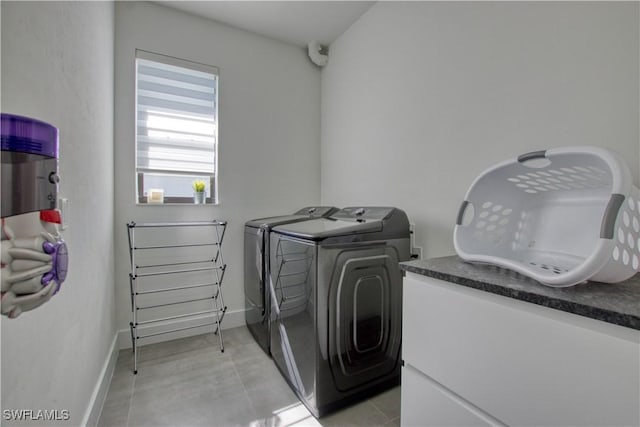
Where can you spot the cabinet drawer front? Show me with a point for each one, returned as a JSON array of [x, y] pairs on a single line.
[[522, 363], [424, 404]]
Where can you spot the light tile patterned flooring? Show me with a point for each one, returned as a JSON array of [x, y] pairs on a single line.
[[189, 382]]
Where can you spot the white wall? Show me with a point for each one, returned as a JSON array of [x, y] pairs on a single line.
[[418, 98], [269, 98], [57, 66]]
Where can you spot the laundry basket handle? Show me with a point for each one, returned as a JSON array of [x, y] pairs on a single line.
[[532, 155], [463, 207], [607, 227]]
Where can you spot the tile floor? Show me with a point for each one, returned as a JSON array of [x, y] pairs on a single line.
[[189, 382]]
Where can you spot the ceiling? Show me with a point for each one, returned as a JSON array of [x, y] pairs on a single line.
[[294, 22]]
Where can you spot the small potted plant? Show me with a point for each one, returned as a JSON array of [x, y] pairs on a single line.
[[198, 191]]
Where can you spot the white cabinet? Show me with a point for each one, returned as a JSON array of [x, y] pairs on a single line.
[[497, 360], [424, 402]]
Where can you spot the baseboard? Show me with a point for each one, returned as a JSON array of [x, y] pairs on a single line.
[[99, 395], [232, 319]]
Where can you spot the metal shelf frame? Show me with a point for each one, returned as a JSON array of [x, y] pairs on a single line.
[[215, 265], [300, 263]]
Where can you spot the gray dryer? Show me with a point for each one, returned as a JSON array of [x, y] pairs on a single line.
[[336, 304], [256, 267]]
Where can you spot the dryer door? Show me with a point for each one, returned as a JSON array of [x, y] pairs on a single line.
[[365, 317]]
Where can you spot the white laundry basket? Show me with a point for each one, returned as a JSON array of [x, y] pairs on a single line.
[[561, 216]]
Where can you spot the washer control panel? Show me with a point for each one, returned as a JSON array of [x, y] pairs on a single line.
[[360, 213]]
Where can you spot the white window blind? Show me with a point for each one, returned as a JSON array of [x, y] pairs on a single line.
[[176, 115]]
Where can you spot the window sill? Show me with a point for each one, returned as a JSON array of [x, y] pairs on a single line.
[[178, 204]]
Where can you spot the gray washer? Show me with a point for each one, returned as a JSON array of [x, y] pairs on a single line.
[[336, 304], [256, 267]]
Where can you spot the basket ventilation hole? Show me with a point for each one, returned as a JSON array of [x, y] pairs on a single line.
[[616, 253], [492, 222], [620, 235], [634, 262], [553, 268], [636, 224], [576, 177], [631, 241], [625, 257], [632, 204], [625, 218]]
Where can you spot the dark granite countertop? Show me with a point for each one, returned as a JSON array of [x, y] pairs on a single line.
[[617, 303]]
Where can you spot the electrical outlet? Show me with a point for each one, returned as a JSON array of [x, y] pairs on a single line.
[[416, 251]]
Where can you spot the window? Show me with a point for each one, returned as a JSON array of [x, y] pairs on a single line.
[[177, 128]]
